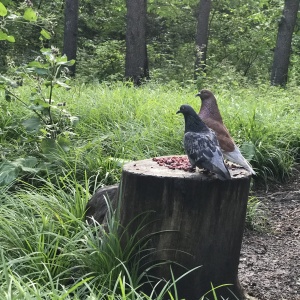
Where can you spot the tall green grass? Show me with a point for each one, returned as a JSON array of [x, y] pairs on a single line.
[[119, 122]]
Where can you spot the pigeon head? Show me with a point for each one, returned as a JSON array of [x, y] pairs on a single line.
[[209, 107], [193, 123], [186, 110], [205, 94]]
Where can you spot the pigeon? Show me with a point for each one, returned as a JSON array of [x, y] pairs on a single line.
[[201, 144], [210, 114]]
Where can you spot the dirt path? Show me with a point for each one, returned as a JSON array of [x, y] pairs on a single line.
[[270, 260]]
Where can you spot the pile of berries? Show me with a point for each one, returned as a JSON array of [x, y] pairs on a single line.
[[175, 162]]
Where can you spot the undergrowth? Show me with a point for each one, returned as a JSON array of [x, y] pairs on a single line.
[[118, 123], [257, 215], [49, 252]]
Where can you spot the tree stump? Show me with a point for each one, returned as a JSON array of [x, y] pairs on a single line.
[[195, 220]]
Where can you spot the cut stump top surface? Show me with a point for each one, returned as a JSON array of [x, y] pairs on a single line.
[[149, 167]]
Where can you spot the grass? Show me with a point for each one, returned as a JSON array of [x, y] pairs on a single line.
[[257, 216], [126, 123], [48, 252], [46, 249]]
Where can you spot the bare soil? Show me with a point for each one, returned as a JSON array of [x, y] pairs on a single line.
[[270, 259]]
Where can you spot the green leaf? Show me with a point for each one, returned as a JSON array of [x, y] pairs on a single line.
[[26, 164], [10, 38], [46, 51], [39, 106], [47, 83], [7, 2], [248, 150], [38, 71], [30, 15], [3, 36], [64, 143], [37, 64], [8, 173], [3, 10], [46, 34], [74, 120], [8, 81], [32, 124], [48, 146], [70, 62], [62, 84], [64, 61], [61, 60]]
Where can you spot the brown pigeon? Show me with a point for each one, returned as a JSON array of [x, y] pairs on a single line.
[[210, 114]]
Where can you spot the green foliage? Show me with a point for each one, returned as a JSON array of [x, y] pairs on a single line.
[[171, 31], [256, 23], [256, 217], [25, 29], [44, 75], [47, 251], [102, 62], [3, 10], [119, 123], [171, 39], [10, 170], [50, 126], [30, 15]]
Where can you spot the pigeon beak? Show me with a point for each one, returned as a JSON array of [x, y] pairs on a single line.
[[198, 95]]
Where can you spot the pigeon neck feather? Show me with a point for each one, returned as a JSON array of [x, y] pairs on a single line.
[[194, 124], [209, 109]]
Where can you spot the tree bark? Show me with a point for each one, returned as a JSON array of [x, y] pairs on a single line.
[[202, 35], [71, 31], [279, 74], [136, 60], [194, 220]]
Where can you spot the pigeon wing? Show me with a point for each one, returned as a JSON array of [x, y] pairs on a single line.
[[198, 147], [203, 151]]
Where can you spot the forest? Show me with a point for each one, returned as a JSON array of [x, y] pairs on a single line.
[[86, 86]]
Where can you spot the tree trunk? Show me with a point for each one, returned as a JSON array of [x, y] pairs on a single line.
[[279, 75], [194, 220], [136, 61], [202, 35], [70, 31]]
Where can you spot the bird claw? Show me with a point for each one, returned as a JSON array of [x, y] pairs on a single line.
[[192, 169]]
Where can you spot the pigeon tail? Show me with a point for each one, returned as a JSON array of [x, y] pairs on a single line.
[[237, 157]]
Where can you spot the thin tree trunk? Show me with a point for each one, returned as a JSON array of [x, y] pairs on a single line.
[[279, 75], [136, 61], [71, 31], [202, 35]]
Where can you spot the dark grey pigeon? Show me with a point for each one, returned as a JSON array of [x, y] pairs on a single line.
[[201, 144]]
